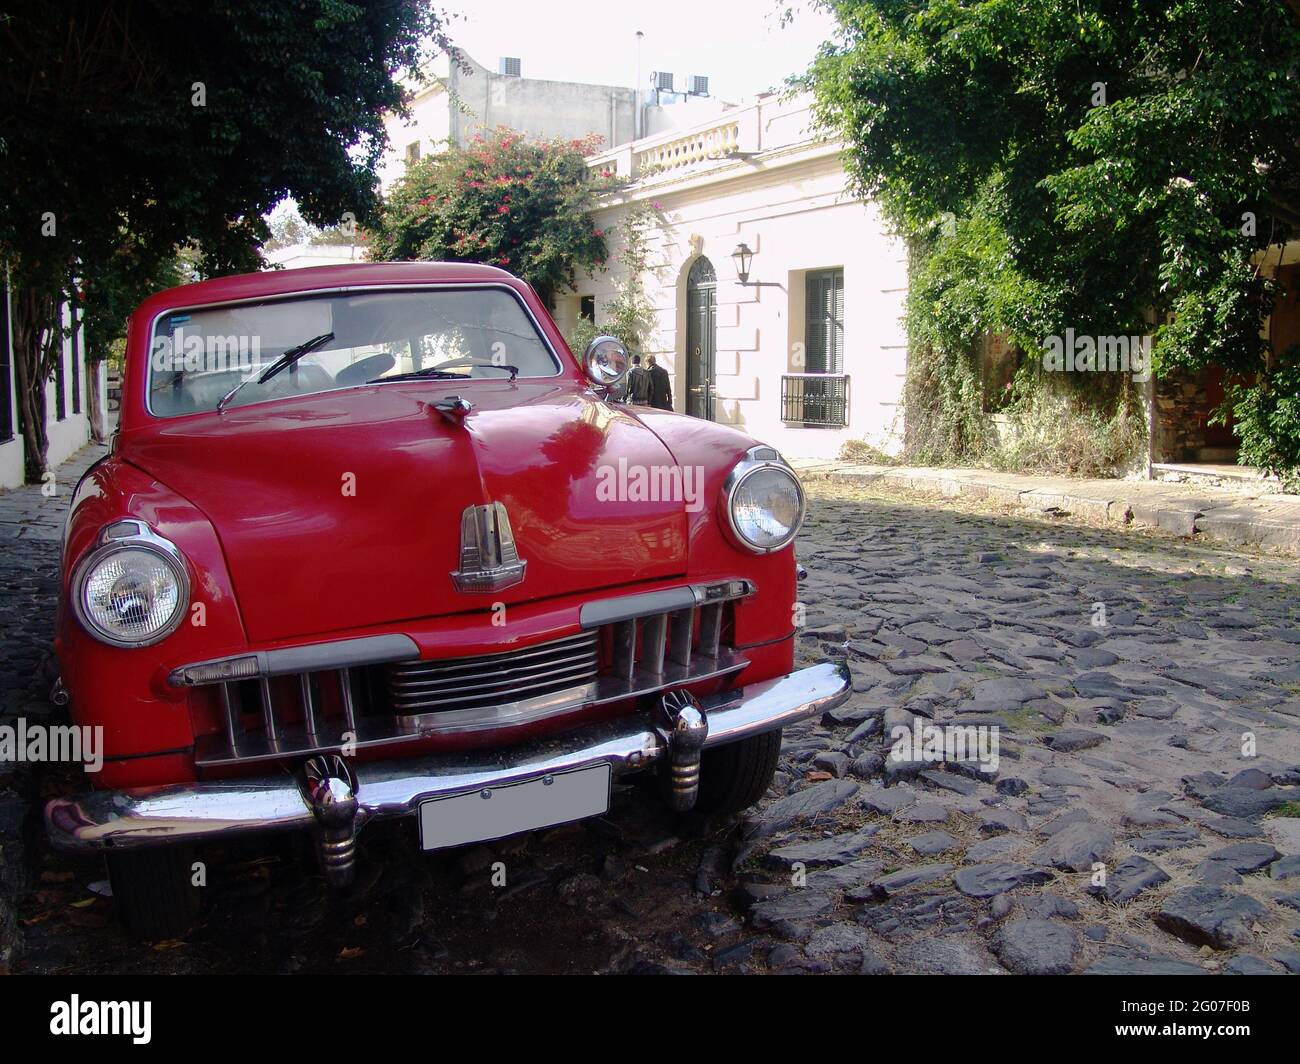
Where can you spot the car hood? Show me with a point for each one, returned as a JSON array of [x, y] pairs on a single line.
[[343, 509]]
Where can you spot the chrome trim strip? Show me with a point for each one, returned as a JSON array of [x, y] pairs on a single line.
[[681, 629], [345, 697], [308, 699], [654, 634], [311, 657], [319, 657], [233, 727], [269, 726], [623, 649], [667, 600], [628, 607], [187, 811]]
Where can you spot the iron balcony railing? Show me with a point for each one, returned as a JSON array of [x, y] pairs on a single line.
[[819, 400]]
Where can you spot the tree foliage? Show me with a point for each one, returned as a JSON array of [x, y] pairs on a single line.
[[628, 315], [1112, 166], [524, 205], [152, 124]]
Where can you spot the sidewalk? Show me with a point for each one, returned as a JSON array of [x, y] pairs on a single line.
[[28, 513], [1234, 518]]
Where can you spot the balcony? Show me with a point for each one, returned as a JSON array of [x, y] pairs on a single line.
[[737, 135], [815, 400]]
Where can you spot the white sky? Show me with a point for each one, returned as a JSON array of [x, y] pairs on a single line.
[[739, 44]]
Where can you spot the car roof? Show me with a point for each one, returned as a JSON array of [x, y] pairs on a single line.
[[317, 278]]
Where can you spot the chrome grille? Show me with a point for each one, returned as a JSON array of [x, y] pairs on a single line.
[[629, 646], [491, 679]]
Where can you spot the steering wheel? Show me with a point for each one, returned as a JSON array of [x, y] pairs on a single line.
[[365, 369]]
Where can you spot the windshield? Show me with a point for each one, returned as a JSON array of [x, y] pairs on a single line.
[[199, 356]]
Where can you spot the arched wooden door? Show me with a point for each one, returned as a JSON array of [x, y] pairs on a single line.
[[701, 337]]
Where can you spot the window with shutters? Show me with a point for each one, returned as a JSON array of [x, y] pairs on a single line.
[[818, 395], [824, 322]]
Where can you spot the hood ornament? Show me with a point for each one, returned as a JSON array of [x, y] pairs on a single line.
[[489, 560]]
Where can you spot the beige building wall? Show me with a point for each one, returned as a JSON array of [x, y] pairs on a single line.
[[769, 183], [462, 101]]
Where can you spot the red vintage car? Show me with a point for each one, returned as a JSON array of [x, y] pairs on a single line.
[[372, 543]]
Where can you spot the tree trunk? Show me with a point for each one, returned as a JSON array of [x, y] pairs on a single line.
[[38, 340], [94, 395]]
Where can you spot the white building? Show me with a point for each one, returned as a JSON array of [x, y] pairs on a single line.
[[461, 100], [809, 351], [297, 256], [68, 397]]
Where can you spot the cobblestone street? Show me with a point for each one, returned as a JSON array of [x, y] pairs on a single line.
[[1144, 814]]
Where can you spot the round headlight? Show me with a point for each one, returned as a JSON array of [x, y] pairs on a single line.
[[131, 594], [605, 361], [765, 504]]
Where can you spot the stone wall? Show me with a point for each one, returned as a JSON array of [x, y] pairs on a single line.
[[1182, 408]]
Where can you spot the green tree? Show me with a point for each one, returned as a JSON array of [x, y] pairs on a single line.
[[1101, 165], [178, 122], [107, 297], [524, 205]]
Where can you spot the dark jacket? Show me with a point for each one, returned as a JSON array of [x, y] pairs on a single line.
[[638, 386], [661, 389]]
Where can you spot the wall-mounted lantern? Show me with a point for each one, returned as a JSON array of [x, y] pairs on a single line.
[[742, 256]]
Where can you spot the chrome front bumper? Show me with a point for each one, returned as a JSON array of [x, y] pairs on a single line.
[[117, 820]]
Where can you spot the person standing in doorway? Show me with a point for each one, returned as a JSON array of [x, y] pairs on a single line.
[[638, 384], [661, 389]]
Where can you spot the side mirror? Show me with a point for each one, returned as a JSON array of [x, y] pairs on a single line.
[[605, 361]]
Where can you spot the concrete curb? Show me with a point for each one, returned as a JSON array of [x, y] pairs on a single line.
[[1230, 518]]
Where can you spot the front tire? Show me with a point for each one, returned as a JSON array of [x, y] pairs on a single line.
[[154, 891], [735, 776]]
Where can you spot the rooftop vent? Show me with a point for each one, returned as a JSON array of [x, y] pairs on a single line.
[[697, 85], [509, 66]]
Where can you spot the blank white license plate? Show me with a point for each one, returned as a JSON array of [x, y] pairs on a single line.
[[495, 812]]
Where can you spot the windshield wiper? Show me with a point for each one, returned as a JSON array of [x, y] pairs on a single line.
[[434, 372], [289, 358], [439, 372]]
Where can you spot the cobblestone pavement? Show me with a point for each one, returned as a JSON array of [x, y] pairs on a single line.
[[1144, 814], [31, 527]]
